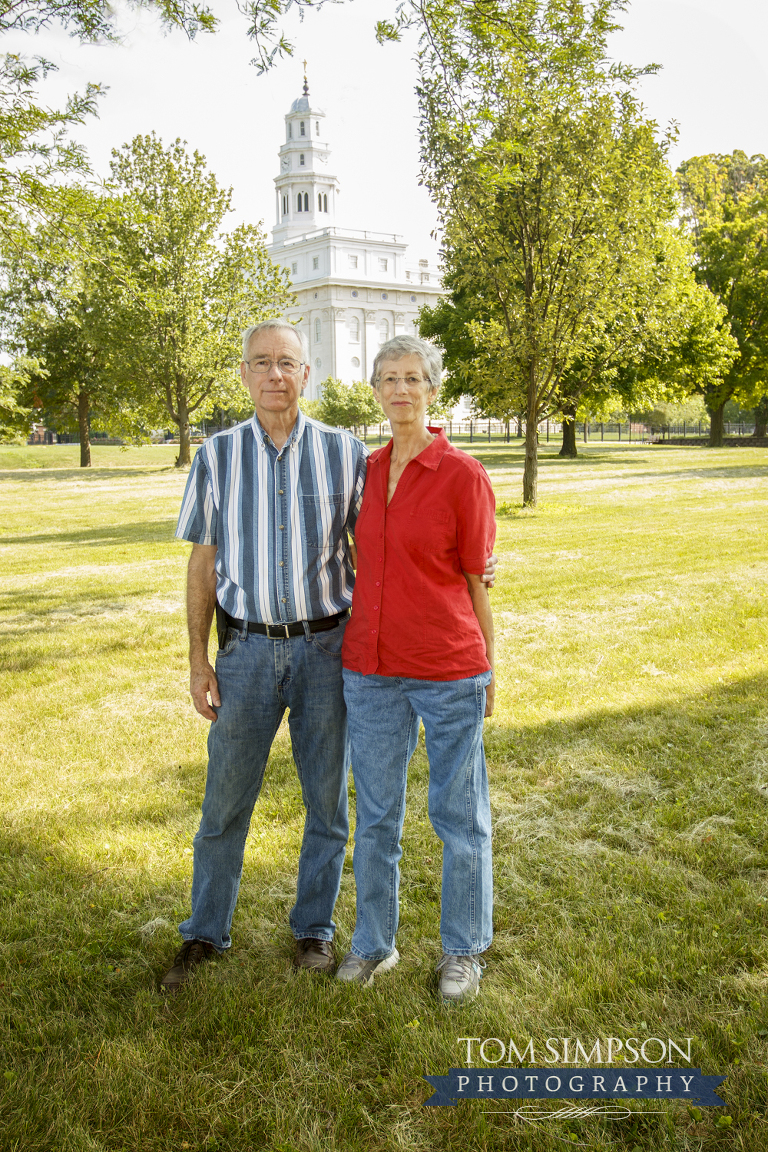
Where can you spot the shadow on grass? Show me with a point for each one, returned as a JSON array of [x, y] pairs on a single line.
[[642, 780], [90, 1036], [498, 460], [35, 473], [137, 532], [507, 456], [728, 472], [33, 617]]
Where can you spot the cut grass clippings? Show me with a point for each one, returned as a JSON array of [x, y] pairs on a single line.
[[628, 767]]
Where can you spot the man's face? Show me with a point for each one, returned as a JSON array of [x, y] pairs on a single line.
[[277, 390]]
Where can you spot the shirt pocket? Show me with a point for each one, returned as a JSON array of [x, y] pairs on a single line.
[[322, 519], [432, 530]]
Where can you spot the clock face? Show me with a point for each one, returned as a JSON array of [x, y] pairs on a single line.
[[322, 157], [285, 163]]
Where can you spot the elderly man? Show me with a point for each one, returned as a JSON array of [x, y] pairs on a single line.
[[268, 508]]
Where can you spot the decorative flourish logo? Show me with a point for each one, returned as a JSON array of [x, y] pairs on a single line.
[[534, 1116]]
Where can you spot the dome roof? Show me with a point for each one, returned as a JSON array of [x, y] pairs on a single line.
[[302, 105]]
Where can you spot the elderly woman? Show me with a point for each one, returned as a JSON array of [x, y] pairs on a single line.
[[419, 644]]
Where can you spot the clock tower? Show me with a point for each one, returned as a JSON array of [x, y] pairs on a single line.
[[305, 190]]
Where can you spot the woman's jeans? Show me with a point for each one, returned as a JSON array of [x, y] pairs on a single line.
[[383, 714], [258, 679]]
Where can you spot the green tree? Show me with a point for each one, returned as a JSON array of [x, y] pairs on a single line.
[[555, 197], [72, 383], [725, 201], [55, 311], [348, 405], [670, 338], [15, 419], [182, 291], [36, 156]]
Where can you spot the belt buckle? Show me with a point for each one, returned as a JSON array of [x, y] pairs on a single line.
[[277, 635]]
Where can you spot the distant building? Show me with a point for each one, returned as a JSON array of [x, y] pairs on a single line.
[[355, 289]]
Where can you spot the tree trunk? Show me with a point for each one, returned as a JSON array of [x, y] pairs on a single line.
[[569, 430], [716, 425], [184, 458], [761, 417], [531, 470], [85, 433]]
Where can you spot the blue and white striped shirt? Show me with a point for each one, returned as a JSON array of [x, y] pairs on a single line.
[[278, 518]]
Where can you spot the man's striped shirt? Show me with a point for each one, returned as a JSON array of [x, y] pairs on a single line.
[[278, 518]]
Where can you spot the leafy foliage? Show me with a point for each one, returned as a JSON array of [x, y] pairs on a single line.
[[556, 205], [347, 405], [35, 154], [180, 291], [725, 202], [141, 322], [14, 417], [52, 311]]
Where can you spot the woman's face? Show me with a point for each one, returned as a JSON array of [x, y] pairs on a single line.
[[404, 391]]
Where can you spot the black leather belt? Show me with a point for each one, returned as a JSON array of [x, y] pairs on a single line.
[[280, 631]]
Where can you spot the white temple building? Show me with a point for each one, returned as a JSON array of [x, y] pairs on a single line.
[[355, 289]]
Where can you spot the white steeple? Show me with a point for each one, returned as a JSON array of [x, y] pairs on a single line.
[[305, 190]]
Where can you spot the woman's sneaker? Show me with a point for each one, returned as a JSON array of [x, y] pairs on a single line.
[[356, 971], [459, 976]]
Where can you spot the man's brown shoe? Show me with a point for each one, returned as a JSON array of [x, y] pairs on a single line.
[[315, 954], [191, 953]]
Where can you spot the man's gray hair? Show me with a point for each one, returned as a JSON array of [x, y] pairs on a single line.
[[400, 346], [276, 325]]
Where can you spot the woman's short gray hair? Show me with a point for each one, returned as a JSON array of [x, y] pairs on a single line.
[[276, 324], [400, 346]]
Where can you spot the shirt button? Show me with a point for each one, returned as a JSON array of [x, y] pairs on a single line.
[[282, 563], [280, 492], [373, 631], [285, 600], [378, 583], [375, 607], [281, 527], [379, 559]]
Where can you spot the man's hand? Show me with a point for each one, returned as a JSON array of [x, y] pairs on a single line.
[[201, 602], [490, 694], [202, 680], [489, 576]]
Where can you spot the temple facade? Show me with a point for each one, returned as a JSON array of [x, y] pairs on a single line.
[[355, 289]]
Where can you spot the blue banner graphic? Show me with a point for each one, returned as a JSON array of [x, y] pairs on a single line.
[[575, 1083]]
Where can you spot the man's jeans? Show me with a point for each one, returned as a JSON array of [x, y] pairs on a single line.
[[258, 679], [384, 716]]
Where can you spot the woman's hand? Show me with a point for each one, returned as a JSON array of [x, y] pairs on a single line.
[[489, 576], [481, 606]]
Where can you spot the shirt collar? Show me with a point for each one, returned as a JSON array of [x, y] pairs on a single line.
[[429, 458], [432, 455], [296, 432]]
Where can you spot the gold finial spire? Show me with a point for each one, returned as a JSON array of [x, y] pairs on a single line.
[[306, 86]]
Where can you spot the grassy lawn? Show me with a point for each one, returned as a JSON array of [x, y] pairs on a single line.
[[628, 761]]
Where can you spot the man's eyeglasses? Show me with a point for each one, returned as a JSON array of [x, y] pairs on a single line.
[[259, 365]]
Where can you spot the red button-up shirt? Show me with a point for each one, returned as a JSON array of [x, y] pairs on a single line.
[[412, 613]]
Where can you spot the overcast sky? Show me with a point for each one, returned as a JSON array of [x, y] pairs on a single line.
[[713, 83]]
